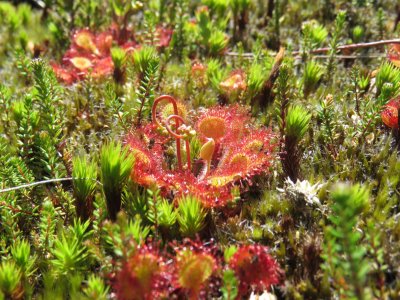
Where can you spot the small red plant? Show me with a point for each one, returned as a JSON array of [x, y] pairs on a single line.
[[164, 36], [255, 268], [196, 267], [192, 269], [143, 276], [234, 84], [393, 54], [232, 150], [390, 113], [198, 70], [89, 53]]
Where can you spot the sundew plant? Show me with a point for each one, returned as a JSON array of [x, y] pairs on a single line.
[[199, 149]]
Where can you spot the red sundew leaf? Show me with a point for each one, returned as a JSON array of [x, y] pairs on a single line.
[[73, 53], [102, 67], [255, 268], [65, 75], [147, 168], [143, 276], [89, 53], [195, 264], [81, 63], [394, 54], [213, 127], [194, 269], [209, 195], [198, 70], [224, 124], [104, 41], [167, 109], [165, 35], [390, 113], [235, 83], [252, 156], [85, 40]]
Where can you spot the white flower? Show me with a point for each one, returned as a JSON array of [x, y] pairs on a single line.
[[303, 189], [263, 296]]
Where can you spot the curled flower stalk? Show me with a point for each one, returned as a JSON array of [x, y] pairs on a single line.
[[178, 137], [232, 150], [155, 121]]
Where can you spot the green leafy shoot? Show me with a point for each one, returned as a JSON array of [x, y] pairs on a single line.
[[137, 230], [218, 7], [256, 78], [229, 252], [230, 285], [215, 72], [357, 33], [314, 35], [70, 255], [21, 254], [166, 214], [313, 73], [116, 165], [344, 256], [191, 216], [96, 289], [84, 176], [143, 58], [297, 122], [217, 43], [238, 6], [118, 56], [10, 277], [388, 73]]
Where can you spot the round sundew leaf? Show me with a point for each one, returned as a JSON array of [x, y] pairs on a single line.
[[145, 268], [220, 181], [103, 67], [254, 146], [104, 42], [81, 63], [235, 83], [239, 162], [194, 270], [212, 127], [140, 156], [84, 40], [64, 75]]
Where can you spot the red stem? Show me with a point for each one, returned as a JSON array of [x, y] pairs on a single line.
[[174, 134], [172, 100], [178, 136]]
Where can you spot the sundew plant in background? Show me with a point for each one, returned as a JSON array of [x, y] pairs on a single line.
[[199, 149]]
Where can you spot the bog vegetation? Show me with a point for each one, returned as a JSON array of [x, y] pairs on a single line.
[[200, 149]]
